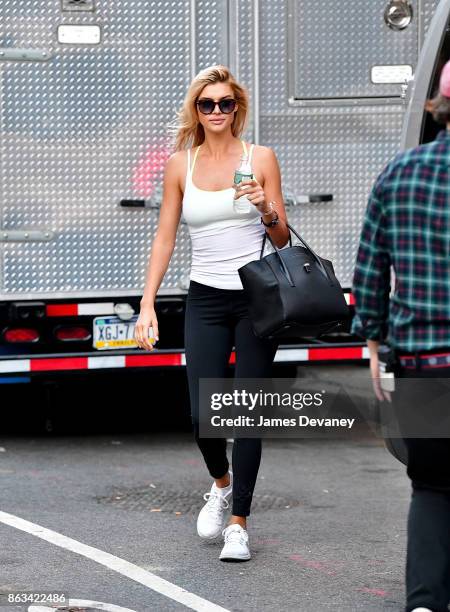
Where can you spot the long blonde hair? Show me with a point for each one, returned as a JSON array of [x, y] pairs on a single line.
[[187, 131]]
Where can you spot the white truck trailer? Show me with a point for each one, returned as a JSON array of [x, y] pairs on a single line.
[[87, 88]]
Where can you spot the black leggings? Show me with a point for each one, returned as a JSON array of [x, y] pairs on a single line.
[[216, 320]]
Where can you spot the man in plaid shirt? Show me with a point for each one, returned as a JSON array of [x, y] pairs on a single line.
[[407, 226]]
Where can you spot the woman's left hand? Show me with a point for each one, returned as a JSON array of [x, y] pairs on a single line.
[[254, 192]]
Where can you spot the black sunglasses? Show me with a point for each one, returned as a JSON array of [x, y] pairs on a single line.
[[206, 105]]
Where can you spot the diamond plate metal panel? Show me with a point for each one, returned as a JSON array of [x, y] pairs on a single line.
[[428, 9], [87, 128], [337, 154], [333, 51], [83, 131], [337, 150], [78, 5], [211, 33], [243, 32]]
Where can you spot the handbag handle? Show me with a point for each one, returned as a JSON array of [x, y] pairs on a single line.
[[308, 248], [264, 242]]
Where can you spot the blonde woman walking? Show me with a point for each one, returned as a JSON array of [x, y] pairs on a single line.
[[198, 183]]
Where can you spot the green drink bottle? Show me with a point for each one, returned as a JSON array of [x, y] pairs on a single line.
[[242, 205]]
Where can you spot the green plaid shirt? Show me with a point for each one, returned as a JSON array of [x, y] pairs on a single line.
[[407, 226]]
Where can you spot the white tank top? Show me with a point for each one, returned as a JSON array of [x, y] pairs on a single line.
[[222, 240]]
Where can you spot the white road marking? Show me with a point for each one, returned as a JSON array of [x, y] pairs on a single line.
[[84, 603], [134, 572]]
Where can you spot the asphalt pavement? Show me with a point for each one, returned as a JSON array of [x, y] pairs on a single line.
[[108, 517]]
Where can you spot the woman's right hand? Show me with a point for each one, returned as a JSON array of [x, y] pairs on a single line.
[[147, 318]]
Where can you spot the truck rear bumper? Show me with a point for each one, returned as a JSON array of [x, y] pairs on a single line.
[[18, 367]]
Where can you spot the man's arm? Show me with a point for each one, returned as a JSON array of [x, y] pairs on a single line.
[[371, 281]]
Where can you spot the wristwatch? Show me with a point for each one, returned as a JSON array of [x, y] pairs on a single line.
[[272, 222]]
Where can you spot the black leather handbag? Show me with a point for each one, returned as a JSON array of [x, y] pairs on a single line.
[[292, 292]]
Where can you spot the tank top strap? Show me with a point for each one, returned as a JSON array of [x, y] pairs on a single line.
[[195, 158], [188, 166], [249, 155], [190, 170]]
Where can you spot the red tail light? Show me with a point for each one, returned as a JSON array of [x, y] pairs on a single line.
[[21, 334], [74, 332]]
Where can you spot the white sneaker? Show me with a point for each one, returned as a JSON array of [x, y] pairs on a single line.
[[236, 544], [212, 516], [421, 610]]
